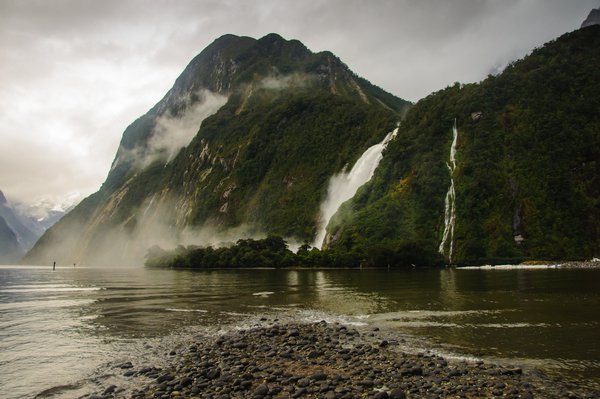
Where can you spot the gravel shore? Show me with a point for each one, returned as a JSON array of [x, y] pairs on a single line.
[[325, 360], [580, 265]]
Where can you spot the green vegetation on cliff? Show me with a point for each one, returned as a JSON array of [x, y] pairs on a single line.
[[259, 164], [528, 164]]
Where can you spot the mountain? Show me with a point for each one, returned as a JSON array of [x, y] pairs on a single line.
[[242, 145], [593, 18], [519, 177], [258, 137], [22, 225], [10, 250], [43, 213], [17, 236]]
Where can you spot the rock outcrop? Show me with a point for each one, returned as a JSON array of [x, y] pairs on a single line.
[[593, 18]]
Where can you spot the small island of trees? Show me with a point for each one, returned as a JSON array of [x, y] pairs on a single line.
[[273, 252]]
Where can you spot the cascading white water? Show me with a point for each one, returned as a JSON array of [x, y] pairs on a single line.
[[450, 207], [344, 185]]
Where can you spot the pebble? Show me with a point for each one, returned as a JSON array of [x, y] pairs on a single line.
[[321, 360]]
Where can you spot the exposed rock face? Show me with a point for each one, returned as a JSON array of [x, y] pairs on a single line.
[[593, 18]]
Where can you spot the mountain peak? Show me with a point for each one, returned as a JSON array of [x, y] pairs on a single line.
[[593, 18], [2, 198], [271, 37]]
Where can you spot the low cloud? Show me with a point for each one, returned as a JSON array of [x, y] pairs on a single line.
[[277, 83], [96, 243], [173, 132]]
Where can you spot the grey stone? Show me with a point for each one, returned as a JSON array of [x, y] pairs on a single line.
[[262, 390], [397, 394], [303, 382]]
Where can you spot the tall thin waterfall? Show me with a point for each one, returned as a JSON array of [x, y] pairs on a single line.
[[344, 185], [450, 208]]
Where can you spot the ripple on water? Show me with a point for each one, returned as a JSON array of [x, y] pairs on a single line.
[[186, 310]]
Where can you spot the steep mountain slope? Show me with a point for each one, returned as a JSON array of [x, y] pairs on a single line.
[[527, 178], [593, 18], [18, 225], [10, 249], [243, 144], [22, 225]]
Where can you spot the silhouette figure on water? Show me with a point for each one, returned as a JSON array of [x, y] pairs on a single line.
[[54, 266]]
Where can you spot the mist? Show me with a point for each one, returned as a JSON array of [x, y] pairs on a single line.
[[277, 83], [172, 132]]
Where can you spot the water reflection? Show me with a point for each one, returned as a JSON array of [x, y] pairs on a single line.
[[74, 319]]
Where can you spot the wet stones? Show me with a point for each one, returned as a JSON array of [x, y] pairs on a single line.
[[324, 360], [261, 390], [126, 365], [165, 377]]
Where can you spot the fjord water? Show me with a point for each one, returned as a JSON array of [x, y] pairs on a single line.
[[64, 333]]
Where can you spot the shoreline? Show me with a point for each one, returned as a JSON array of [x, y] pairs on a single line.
[[324, 360], [536, 266], [532, 266]]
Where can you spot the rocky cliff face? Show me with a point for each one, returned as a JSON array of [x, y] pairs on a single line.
[[242, 145], [593, 18]]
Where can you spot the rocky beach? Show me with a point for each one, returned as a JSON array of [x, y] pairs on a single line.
[[325, 360]]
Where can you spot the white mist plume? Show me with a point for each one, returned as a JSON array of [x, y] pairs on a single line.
[[173, 132], [344, 185], [156, 226], [96, 242], [276, 82]]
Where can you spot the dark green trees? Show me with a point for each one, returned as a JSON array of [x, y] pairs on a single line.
[[528, 173]]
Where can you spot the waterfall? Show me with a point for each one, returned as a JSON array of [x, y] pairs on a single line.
[[450, 205], [344, 185]]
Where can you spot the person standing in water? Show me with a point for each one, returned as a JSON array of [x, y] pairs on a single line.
[[54, 266]]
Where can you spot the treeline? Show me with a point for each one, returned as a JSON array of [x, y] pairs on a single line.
[[273, 252]]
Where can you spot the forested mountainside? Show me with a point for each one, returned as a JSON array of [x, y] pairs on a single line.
[[525, 181], [243, 145]]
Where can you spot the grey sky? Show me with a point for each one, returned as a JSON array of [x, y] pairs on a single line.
[[75, 73]]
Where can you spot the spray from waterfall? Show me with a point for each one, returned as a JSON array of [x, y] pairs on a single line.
[[450, 205], [344, 185]]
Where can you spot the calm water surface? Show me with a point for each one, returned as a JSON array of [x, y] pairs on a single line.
[[63, 332]]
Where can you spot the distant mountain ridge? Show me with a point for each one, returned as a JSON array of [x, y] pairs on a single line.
[[22, 225], [10, 250]]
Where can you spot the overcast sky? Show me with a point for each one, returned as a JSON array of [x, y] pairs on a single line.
[[74, 74]]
